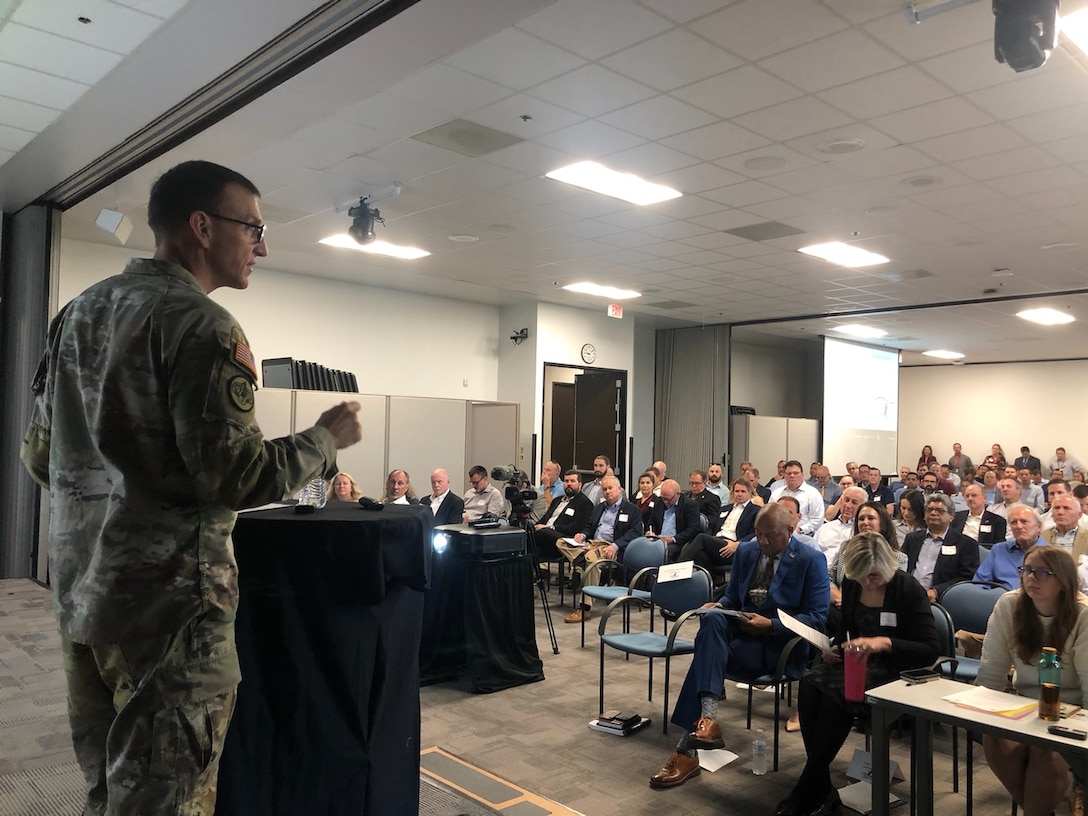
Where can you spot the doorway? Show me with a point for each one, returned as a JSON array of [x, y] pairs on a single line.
[[585, 415]]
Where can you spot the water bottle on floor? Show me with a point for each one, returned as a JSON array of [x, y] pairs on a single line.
[[759, 754]]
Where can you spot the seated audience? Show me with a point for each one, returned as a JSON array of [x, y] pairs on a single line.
[[1068, 465], [976, 521], [714, 483], [447, 507], [939, 557], [602, 467], [828, 489], [1008, 494], [344, 488], [734, 523], [647, 482], [995, 458], [674, 518], [483, 497], [760, 494], [833, 534], [812, 506], [614, 524], [1030, 493], [887, 615], [772, 573], [398, 489], [707, 503], [912, 510], [832, 512], [564, 518], [1047, 610], [959, 461], [1066, 530]]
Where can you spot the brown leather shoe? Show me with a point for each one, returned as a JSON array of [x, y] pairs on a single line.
[[677, 770], [577, 616], [707, 735]]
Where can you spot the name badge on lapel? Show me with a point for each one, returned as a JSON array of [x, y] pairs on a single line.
[[623, 517], [889, 619], [569, 511], [985, 528], [948, 549]]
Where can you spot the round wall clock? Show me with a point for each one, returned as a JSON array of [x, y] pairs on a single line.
[[589, 353]]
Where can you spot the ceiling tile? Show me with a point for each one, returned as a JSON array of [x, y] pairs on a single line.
[[55, 55], [766, 161], [655, 62], [26, 115], [328, 142], [843, 57], [748, 192], [112, 27], [658, 117], [530, 158], [738, 91], [450, 90], [590, 139], [891, 91], [699, 177], [758, 28], [716, 141], [1007, 163], [934, 119], [1050, 179], [595, 29], [649, 160], [969, 69], [970, 143], [592, 90], [1033, 93], [14, 139], [525, 60], [40, 89], [1053, 124], [163, 9], [506, 116], [794, 118], [940, 34], [392, 114], [408, 159]]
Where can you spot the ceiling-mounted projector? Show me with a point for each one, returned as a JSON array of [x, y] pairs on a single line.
[[1025, 32], [363, 218]]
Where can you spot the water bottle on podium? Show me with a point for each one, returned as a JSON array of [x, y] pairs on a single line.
[[313, 494], [1050, 685]]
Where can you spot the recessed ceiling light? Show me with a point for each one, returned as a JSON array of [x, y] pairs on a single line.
[[943, 354], [345, 241], [1001, 272], [881, 209], [836, 147], [1046, 316], [600, 179], [857, 330], [837, 252], [464, 239], [586, 288]]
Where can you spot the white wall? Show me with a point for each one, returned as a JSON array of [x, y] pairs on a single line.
[[1012, 404], [640, 395], [398, 343]]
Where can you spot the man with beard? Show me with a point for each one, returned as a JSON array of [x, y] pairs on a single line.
[[565, 516], [601, 464]]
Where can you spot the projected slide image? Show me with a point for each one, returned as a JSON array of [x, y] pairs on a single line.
[[861, 403]]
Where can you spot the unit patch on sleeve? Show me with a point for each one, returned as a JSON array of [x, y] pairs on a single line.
[[241, 393]]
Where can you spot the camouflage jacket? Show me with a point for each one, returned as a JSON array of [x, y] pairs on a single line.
[[143, 431]]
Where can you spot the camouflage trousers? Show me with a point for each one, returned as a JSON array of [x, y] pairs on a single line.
[[149, 719]]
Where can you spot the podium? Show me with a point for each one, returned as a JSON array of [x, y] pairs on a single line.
[[328, 632]]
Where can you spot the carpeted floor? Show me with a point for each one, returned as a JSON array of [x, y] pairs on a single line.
[[532, 738]]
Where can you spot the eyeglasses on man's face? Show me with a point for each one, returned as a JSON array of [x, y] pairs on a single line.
[[255, 230]]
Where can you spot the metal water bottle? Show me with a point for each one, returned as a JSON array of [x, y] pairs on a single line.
[[1050, 685]]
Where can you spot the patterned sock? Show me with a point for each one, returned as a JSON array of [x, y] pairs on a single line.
[[709, 703], [682, 746]]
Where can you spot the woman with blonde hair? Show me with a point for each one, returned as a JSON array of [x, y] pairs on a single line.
[[344, 488]]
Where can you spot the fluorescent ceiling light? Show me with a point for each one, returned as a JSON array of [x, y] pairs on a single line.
[[855, 330], [943, 354], [1075, 27], [611, 292], [842, 254], [600, 179], [1046, 316], [345, 241]]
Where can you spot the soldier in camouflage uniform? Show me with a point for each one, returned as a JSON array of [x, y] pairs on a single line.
[[143, 431]]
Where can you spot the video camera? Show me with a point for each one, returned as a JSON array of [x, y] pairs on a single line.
[[518, 490]]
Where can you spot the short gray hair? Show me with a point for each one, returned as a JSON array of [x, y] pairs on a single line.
[[933, 498]]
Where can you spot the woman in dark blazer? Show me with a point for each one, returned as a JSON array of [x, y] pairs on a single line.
[[887, 615]]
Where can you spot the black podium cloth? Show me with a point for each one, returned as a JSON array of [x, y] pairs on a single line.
[[479, 621], [328, 629]]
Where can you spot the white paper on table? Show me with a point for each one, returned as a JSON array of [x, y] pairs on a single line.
[[716, 759], [813, 636], [990, 700], [271, 506]]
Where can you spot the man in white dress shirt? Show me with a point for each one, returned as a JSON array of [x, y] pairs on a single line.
[[812, 506], [833, 534]]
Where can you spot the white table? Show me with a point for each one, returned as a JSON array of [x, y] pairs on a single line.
[[924, 702]]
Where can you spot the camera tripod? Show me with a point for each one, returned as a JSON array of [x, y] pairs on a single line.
[[525, 524]]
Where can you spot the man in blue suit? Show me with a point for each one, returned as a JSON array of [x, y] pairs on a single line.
[[742, 634]]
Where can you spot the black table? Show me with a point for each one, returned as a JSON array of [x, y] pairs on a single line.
[[479, 619], [328, 634]]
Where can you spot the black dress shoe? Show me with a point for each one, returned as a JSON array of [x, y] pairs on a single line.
[[788, 807], [830, 805]]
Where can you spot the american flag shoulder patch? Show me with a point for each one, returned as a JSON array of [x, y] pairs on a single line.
[[244, 357]]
